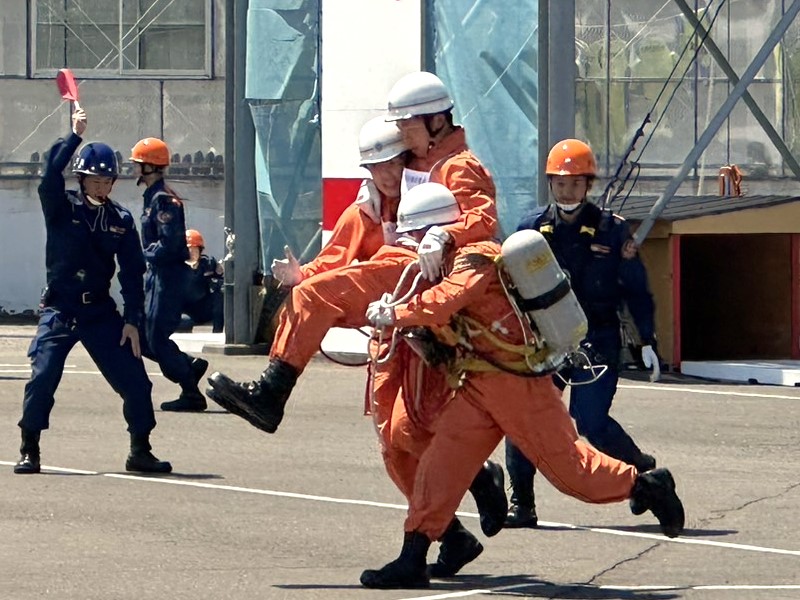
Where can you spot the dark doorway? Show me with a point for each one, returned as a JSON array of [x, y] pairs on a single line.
[[736, 297]]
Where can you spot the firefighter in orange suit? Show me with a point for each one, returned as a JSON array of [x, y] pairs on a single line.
[[368, 223], [493, 399], [421, 106], [341, 297]]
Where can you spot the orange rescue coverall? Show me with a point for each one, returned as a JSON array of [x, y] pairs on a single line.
[[332, 298], [451, 163], [340, 298], [494, 403], [354, 237]]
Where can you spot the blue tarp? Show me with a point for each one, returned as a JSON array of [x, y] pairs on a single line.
[[486, 52]]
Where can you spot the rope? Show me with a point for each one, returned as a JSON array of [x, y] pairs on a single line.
[[390, 300]]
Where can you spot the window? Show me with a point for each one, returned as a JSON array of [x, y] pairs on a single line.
[[625, 54], [123, 38]]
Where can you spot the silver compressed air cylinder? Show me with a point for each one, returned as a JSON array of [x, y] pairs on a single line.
[[542, 291]]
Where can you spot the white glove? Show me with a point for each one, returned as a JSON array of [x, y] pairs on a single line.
[[650, 359], [287, 271], [431, 252], [379, 313]]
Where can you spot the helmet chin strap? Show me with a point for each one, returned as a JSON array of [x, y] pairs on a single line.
[[95, 202], [147, 169], [569, 209]]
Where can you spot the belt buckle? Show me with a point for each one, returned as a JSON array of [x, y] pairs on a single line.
[[85, 298]]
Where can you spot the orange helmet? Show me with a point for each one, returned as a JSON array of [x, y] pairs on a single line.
[[195, 238], [571, 157], [152, 151]]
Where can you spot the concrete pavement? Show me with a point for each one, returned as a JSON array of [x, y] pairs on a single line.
[[299, 514]]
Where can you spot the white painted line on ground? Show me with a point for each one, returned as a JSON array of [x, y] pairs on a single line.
[[670, 388], [28, 366], [9, 368], [543, 524], [588, 588]]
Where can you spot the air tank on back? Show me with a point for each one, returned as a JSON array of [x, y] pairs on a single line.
[[543, 293]]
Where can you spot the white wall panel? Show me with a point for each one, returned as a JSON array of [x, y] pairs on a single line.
[[367, 45]]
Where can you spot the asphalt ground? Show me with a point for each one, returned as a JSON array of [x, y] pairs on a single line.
[[299, 514]]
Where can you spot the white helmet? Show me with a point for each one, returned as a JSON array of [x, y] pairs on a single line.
[[379, 141], [416, 94], [425, 205]]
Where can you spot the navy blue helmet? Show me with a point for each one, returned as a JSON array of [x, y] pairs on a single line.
[[96, 158]]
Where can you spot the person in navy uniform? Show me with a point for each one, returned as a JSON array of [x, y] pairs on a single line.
[[596, 250], [203, 298], [164, 242], [88, 234]]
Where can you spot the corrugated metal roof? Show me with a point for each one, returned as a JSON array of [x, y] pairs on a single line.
[[636, 208]]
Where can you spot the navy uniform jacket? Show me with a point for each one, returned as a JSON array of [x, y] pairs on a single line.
[[203, 280], [601, 281], [83, 243], [163, 228]]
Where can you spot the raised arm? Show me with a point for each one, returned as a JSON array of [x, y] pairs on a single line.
[[52, 187]]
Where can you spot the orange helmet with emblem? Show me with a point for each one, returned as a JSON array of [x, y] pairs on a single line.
[[195, 238], [151, 151], [571, 157]]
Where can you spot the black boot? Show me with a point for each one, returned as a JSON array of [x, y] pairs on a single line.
[[407, 571], [191, 399], [458, 548], [522, 515], [29, 453], [188, 401], [522, 512], [655, 491], [644, 462], [141, 459], [199, 368], [490, 497], [260, 402]]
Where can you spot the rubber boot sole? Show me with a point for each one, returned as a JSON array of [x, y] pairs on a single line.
[[27, 468], [220, 392]]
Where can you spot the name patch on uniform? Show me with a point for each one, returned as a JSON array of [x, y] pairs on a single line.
[[589, 230], [115, 229]]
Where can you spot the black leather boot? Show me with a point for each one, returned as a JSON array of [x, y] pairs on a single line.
[[199, 368], [191, 398], [490, 497], [522, 512], [188, 401], [407, 571], [458, 548], [141, 459], [643, 463], [28, 462], [655, 491], [260, 402], [522, 515]]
